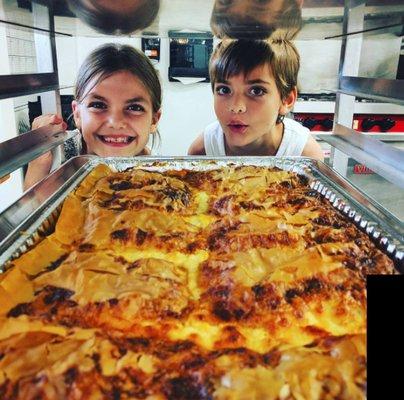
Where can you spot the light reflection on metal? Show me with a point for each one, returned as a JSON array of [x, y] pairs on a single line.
[[253, 20], [385, 27], [118, 17], [382, 158], [19, 151], [34, 28], [388, 90]]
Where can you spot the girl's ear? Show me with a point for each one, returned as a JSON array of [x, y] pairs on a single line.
[[155, 121], [288, 102], [76, 113]]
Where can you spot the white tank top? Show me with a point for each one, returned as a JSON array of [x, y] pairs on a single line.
[[295, 137]]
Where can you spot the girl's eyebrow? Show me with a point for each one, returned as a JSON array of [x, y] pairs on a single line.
[[254, 81], [97, 96], [138, 99]]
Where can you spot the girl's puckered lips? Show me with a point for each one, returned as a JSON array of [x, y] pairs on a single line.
[[236, 126]]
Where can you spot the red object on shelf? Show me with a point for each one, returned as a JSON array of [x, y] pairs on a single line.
[[370, 123], [316, 122], [379, 123], [361, 169]]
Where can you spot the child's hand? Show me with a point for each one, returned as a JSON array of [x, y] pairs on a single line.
[[40, 167], [45, 160], [48, 119]]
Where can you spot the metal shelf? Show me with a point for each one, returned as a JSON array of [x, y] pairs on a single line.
[[17, 152], [387, 90], [360, 107], [26, 84], [369, 149], [383, 159], [384, 137], [34, 28]]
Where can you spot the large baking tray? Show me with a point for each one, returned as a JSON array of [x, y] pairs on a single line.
[[34, 215]]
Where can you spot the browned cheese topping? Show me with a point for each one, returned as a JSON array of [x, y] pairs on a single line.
[[234, 283]]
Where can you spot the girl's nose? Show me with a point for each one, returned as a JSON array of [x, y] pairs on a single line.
[[238, 107], [117, 120]]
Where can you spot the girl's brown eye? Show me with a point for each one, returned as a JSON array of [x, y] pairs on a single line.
[[222, 90], [97, 105], [136, 107], [258, 91]]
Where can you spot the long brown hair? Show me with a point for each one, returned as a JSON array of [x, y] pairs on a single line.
[[110, 58]]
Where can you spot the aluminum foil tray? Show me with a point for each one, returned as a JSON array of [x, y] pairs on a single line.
[[35, 214]]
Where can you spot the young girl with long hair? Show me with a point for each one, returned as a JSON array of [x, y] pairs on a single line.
[[117, 108]]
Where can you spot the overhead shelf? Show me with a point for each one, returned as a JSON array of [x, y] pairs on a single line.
[[26, 84], [360, 107], [387, 90]]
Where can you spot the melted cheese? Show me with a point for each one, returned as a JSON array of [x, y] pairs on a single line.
[[153, 282]]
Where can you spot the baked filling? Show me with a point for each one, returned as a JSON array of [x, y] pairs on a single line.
[[235, 283]]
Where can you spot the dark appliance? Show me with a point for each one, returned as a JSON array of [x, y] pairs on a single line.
[[151, 47], [189, 55], [35, 110]]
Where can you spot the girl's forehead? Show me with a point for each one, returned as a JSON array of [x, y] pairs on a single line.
[[119, 79], [260, 72], [120, 83]]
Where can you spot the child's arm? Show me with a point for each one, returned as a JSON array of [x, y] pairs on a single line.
[[313, 150], [197, 148], [40, 167]]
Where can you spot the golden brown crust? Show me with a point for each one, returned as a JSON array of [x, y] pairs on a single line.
[[225, 284], [139, 368]]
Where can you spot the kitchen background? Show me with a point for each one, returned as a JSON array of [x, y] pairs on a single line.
[[187, 106]]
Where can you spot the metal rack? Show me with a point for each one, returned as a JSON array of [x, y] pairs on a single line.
[[381, 158], [18, 151]]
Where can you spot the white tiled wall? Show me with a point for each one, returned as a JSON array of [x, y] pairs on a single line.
[[21, 50], [20, 42], [18, 45]]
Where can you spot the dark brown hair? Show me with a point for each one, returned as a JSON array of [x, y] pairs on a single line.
[[109, 22], [234, 57], [111, 58], [286, 24]]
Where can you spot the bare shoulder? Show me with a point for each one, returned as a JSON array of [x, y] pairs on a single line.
[[313, 149], [197, 147]]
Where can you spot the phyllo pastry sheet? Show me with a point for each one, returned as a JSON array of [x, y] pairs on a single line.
[[233, 283]]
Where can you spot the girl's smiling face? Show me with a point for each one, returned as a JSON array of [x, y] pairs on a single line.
[[116, 116], [248, 106]]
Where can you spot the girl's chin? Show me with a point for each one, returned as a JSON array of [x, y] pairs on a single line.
[[128, 151], [237, 142]]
